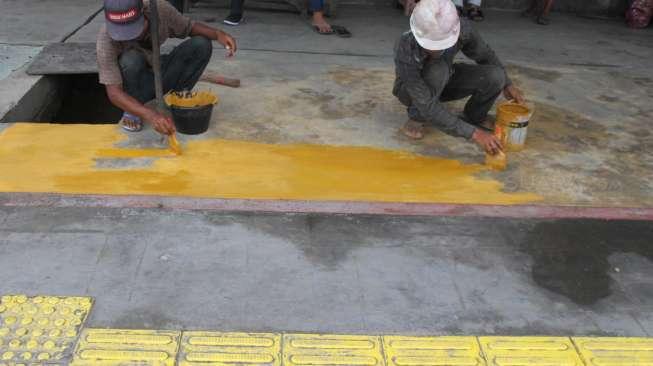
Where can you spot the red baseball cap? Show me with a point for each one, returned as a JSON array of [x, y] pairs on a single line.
[[124, 19]]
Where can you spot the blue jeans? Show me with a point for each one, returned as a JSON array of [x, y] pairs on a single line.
[[316, 5], [180, 69]]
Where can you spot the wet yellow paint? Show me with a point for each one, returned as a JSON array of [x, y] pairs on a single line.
[[174, 144], [63, 159]]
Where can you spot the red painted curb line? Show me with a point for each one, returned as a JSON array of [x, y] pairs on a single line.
[[334, 207]]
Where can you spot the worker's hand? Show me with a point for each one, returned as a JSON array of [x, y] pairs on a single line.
[[161, 123], [511, 92], [228, 42], [490, 143]]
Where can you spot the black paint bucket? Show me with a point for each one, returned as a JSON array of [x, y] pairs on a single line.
[[191, 112]]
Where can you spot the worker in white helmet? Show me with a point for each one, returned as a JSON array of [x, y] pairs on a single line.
[[426, 75]]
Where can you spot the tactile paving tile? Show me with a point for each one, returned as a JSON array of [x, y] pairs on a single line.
[[326, 350], [109, 347], [609, 351], [529, 351], [230, 349], [432, 351], [41, 329]]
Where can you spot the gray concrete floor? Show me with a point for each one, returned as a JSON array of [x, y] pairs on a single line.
[[590, 81], [335, 273]]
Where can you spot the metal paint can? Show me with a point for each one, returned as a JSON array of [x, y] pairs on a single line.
[[514, 119]]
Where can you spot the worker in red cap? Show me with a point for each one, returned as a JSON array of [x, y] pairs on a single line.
[[124, 57], [426, 75]]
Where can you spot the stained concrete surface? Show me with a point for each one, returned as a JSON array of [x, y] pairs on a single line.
[[588, 80], [335, 273]]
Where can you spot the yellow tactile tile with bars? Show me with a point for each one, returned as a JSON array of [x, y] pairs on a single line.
[[332, 350], [529, 351], [41, 329], [113, 347], [229, 349], [612, 351], [432, 351]]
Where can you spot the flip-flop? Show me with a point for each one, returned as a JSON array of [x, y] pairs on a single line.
[[341, 31], [139, 126], [317, 30], [475, 14], [542, 20]]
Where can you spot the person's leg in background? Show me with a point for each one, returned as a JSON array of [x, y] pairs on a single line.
[[235, 13], [182, 68], [474, 11], [543, 12], [531, 10], [178, 4], [319, 21], [138, 82], [483, 82], [459, 5]]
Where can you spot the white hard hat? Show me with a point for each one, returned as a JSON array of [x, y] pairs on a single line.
[[435, 24]]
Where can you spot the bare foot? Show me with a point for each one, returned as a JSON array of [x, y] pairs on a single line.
[[413, 129], [321, 23]]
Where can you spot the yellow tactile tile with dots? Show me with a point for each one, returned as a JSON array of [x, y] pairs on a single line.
[[331, 350], [109, 347], [432, 351], [612, 351], [529, 351], [229, 349], [40, 329]]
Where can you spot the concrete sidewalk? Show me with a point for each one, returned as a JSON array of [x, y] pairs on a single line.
[[587, 142], [160, 269]]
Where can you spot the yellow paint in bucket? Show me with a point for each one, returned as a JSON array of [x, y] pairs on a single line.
[[190, 100], [514, 119]]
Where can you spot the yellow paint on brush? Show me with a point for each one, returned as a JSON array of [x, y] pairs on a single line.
[[63, 159], [174, 144]]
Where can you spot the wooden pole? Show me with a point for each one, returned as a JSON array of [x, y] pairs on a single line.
[[156, 54]]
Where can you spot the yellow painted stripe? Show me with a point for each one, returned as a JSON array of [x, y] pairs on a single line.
[[333, 360], [529, 351], [229, 357], [613, 351], [232, 341], [432, 351], [124, 355], [224, 349], [120, 347], [326, 343], [129, 339], [316, 349]]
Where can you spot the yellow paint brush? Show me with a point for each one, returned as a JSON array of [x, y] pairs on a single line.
[[174, 144]]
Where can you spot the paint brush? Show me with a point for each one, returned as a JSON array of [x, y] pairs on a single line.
[[174, 144]]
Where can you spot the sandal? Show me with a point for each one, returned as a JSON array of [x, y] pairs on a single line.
[[341, 31], [138, 124], [475, 13], [318, 31], [541, 20]]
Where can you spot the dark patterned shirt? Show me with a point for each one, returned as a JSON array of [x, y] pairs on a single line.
[[410, 59]]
